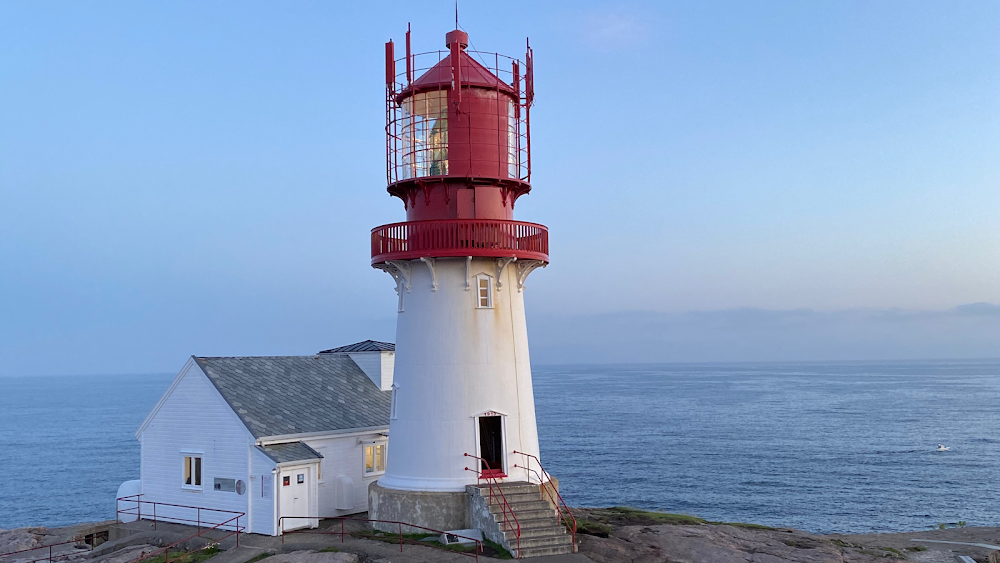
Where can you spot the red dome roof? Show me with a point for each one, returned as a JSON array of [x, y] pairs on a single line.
[[473, 74]]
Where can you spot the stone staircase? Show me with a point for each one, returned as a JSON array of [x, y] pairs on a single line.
[[542, 533]]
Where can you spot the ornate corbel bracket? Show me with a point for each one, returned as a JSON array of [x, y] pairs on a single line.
[[403, 268], [524, 268], [430, 266], [468, 272], [501, 265]]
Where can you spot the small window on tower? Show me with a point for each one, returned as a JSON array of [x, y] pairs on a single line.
[[484, 297]]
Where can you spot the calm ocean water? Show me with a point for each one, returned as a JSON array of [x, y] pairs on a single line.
[[819, 446]]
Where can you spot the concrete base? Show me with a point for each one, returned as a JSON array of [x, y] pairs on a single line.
[[436, 510]]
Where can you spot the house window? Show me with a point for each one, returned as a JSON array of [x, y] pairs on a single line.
[[374, 459], [192, 471], [392, 406], [484, 295]]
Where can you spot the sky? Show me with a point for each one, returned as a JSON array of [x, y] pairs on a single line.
[[201, 178]]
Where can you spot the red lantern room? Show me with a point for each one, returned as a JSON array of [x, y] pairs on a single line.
[[458, 154]]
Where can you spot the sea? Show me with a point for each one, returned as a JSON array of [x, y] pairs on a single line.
[[822, 447]]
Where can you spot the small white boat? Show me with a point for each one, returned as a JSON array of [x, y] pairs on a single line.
[[943, 448]]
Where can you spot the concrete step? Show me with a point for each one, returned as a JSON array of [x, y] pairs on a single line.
[[544, 541], [528, 515], [519, 507], [509, 488], [512, 498], [538, 531], [548, 550]]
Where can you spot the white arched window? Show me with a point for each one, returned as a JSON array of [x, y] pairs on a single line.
[[484, 291]]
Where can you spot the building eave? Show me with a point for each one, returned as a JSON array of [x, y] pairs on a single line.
[[277, 439]]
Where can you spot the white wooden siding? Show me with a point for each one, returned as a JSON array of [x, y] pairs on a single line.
[[378, 366], [261, 493], [194, 417], [342, 456]]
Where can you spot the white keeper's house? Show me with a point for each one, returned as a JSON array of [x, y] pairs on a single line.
[[269, 436]]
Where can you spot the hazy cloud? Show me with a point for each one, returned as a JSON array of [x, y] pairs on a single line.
[[614, 27]]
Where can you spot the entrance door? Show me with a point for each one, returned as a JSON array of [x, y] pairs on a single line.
[[491, 446], [295, 488]]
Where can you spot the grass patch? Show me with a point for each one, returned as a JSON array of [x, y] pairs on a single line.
[[592, 528], [187, 556], [626, 516], [891, 550], [490, 549], [329, 549], [259, 557]]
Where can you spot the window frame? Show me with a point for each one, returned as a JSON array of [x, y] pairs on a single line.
[[364, 458], [489, 291], [196, 468]]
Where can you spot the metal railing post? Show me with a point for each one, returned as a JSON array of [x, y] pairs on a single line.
[[154, 515], [237, 531], [118, 511], [199, 521], [400, 537], [50, 554]]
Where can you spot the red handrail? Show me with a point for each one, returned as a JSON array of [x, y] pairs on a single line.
[[343, 532], [137, 511], [560, 503], [235, 522], [410, 240], [49, 546], [504, 506]]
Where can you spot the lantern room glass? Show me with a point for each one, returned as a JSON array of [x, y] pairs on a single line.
[[425, 135]]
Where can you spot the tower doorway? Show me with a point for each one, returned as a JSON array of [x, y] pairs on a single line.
[[491, 446]]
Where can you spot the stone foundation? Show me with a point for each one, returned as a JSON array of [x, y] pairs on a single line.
[[435, 510]]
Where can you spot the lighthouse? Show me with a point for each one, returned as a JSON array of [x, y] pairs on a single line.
[[458, 158]]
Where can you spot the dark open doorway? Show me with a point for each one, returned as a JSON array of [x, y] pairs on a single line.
[[491, 446]]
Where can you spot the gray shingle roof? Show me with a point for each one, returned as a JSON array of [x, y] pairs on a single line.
[[365, 346], [292, 451], [280, 395]]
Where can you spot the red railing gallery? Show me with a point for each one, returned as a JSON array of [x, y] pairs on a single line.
[[460, 237]]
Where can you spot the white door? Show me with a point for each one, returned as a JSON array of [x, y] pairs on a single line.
[[295, 488]]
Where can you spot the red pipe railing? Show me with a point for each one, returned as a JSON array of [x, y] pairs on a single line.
[[460, 237], [505, 507], [50, 556], [568, 519], [233, 522], [151, 515], [402, 540]]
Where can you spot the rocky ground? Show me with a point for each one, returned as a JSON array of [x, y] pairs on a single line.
[[605, 536], [626, 535]]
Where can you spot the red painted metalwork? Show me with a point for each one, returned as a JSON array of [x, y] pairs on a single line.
[[232, 524], [411, 240], [49, 547], [568, 519], [505, 508], [458, 120], [197, 520], [342, 533]]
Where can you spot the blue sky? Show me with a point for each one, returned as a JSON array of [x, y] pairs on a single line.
[[200, 178]]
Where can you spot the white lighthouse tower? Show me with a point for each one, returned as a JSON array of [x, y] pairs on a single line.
[[458, 158]]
